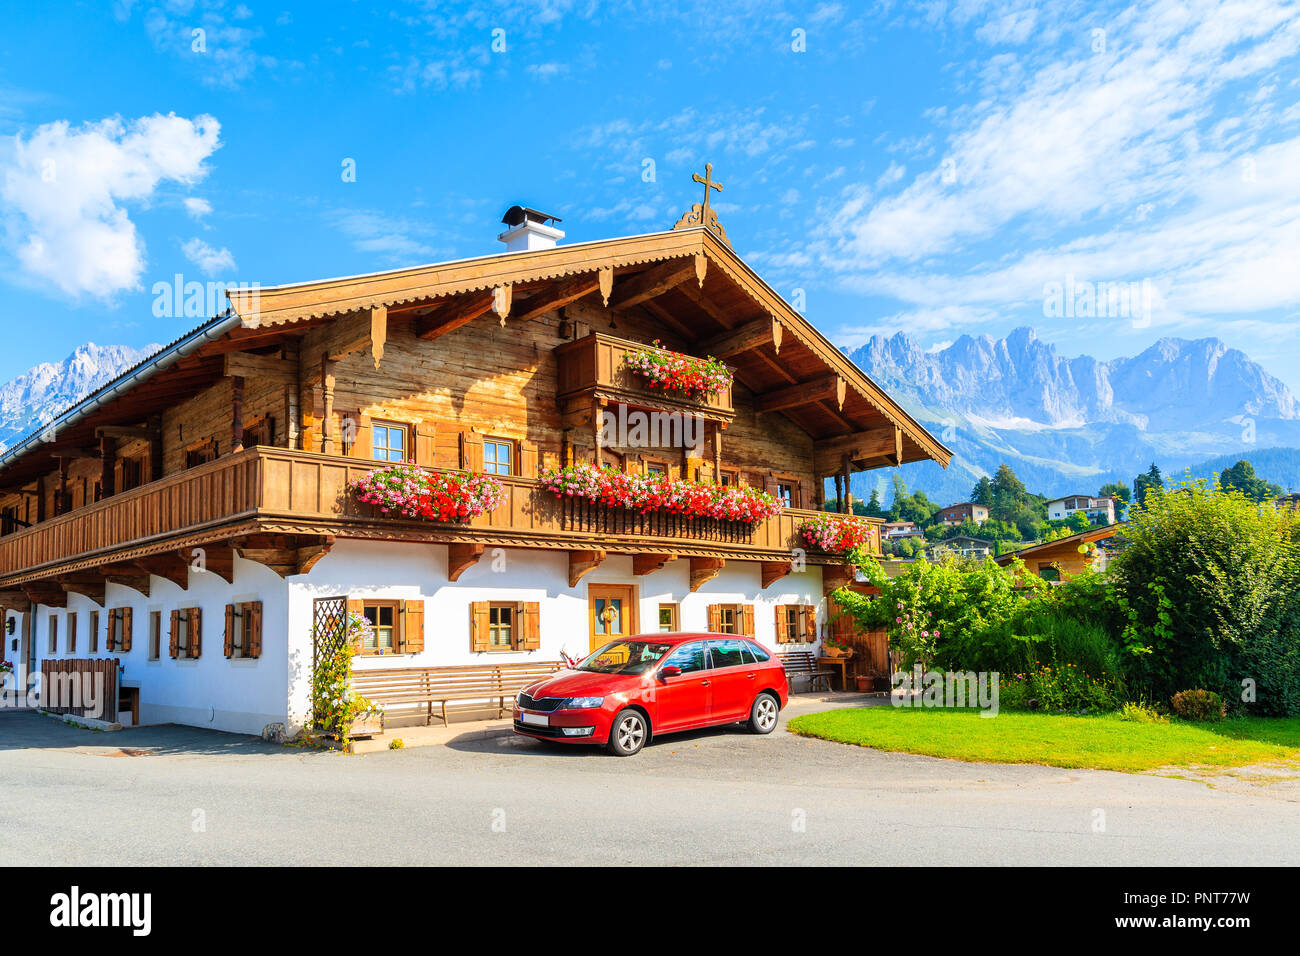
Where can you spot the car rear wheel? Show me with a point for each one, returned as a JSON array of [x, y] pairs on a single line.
[[762, 716], [628, 733]]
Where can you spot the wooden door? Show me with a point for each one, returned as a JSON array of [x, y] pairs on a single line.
[[611, 613]]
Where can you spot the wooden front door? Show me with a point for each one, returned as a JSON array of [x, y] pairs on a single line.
[[611, 613]]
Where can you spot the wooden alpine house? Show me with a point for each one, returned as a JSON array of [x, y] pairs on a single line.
[[197, 519]]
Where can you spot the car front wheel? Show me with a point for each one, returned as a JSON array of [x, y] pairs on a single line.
[[628, 733], [762, 716]]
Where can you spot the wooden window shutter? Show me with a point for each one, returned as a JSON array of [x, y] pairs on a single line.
[[782, 632], [173, 646], [126, 628], [362, 446], [769, 485], [478, 633], [808, 622], [359, 609], [412, 632], [228, 645], [715, 618], [747, 620], [806, 497], [633, 465], [254, 648], [111, 643], [426, 443], [529, 460], [196, 632], [530, 631], [471, 451]]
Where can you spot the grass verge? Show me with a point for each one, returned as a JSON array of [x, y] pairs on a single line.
[[1100, 743]]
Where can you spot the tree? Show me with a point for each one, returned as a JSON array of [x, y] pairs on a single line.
[[1116, 489], [982, 494], [1242, 477], [1145, 484], [873, 506]]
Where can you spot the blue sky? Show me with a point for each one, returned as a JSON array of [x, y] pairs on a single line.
[[931, 167]]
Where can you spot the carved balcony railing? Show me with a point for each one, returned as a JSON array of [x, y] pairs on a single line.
[[266, 490], [594, 368]]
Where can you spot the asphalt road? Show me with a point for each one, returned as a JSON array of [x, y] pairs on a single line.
[[174, 795]]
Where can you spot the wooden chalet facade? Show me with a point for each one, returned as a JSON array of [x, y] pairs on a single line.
[[191, 517]]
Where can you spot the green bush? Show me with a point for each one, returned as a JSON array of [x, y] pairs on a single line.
[[1050, 688], [1141, 714], [1207, 589], [1198, 705]]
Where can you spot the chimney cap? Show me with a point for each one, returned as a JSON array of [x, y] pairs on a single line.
[[519, 214]]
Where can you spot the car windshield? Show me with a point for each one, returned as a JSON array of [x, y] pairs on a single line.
[[625, 657]]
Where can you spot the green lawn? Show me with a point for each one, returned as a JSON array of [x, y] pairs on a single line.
[[1101, 743]]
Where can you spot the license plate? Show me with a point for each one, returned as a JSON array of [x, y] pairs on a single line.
[[540, 720]]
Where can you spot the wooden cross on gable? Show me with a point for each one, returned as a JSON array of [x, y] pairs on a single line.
[[702, 214]]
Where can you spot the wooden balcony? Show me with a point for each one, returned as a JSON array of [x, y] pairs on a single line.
[[265, 493], [594, 368]]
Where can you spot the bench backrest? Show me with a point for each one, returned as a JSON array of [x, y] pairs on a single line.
[[489, 679], [798, 661]]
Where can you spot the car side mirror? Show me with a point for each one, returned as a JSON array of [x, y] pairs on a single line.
[[670, 671]]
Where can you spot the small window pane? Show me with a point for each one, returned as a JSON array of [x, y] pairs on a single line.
[[725, 654], [497, 457], [689, 657]]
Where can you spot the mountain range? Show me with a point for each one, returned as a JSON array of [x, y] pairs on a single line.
[[1066, 425]]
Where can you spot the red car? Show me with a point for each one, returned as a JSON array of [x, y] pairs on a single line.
[[650, 684]]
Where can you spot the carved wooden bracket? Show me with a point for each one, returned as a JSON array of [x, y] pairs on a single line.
[[647, 563], [580, 562], [172, 567], [460, 558], [704, 570], [773, 571]]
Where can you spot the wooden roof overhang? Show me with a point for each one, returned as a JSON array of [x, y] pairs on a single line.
[[687, 279]]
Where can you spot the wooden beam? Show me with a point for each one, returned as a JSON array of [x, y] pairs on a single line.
[[648, 563], [217, 558], [237, 413], [378, 331], [773, 571], [651, 283], [127, 575], [47, 593], [704, 570], [124, 431], [15, 599], [283, 561], [260, 367], [449, 320], [836, 576], [87, 586], [803, 393], [169, 566], [460, 558], [828, 454], [309, 554], [580, 562], [558, 296], [751, 335]]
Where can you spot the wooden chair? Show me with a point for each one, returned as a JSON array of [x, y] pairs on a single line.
[[409, 688], [803, 664]]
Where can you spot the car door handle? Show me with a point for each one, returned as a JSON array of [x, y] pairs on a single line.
[[750, 676], [704, 683]]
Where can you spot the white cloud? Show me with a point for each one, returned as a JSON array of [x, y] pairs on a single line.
[[196, 207], [65, 190], [210, 260]]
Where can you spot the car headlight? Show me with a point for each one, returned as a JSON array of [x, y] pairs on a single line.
[[582, 703]]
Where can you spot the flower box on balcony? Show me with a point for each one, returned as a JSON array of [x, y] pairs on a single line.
[[409, 491]]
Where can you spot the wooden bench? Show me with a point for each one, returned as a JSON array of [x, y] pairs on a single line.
[[407, 688], [803, 664]]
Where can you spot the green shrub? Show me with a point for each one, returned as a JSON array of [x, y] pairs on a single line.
[[1141, 714], [1050, 688], [1198, 705]]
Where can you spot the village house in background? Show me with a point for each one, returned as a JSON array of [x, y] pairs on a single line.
[[959, 513], [961, 546], [1100, 511], [194, 518], [1074, 554], [901, 529]]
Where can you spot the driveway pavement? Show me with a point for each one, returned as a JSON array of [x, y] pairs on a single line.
[[178, 795]]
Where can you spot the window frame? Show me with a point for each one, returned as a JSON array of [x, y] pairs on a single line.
[[513, 608], [53, 627], [396, 606], [674, 611], [155, 636], [380, 424], [512, 447], [92, 637]]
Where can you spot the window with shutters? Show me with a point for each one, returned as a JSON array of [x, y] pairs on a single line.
[[130, 473], [382, 618], [497, 626], [731, 619], [201, 453], [727, 478], [243, 640], [155, 635], [498, 456], [54, 635], [186, 634], [668, 617], [796, 623], [92, 636], [119, 629], [389, 441], [657, 468], [72, 632], [727, 619]]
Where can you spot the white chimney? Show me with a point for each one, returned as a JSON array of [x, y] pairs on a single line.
[[529, 229]]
